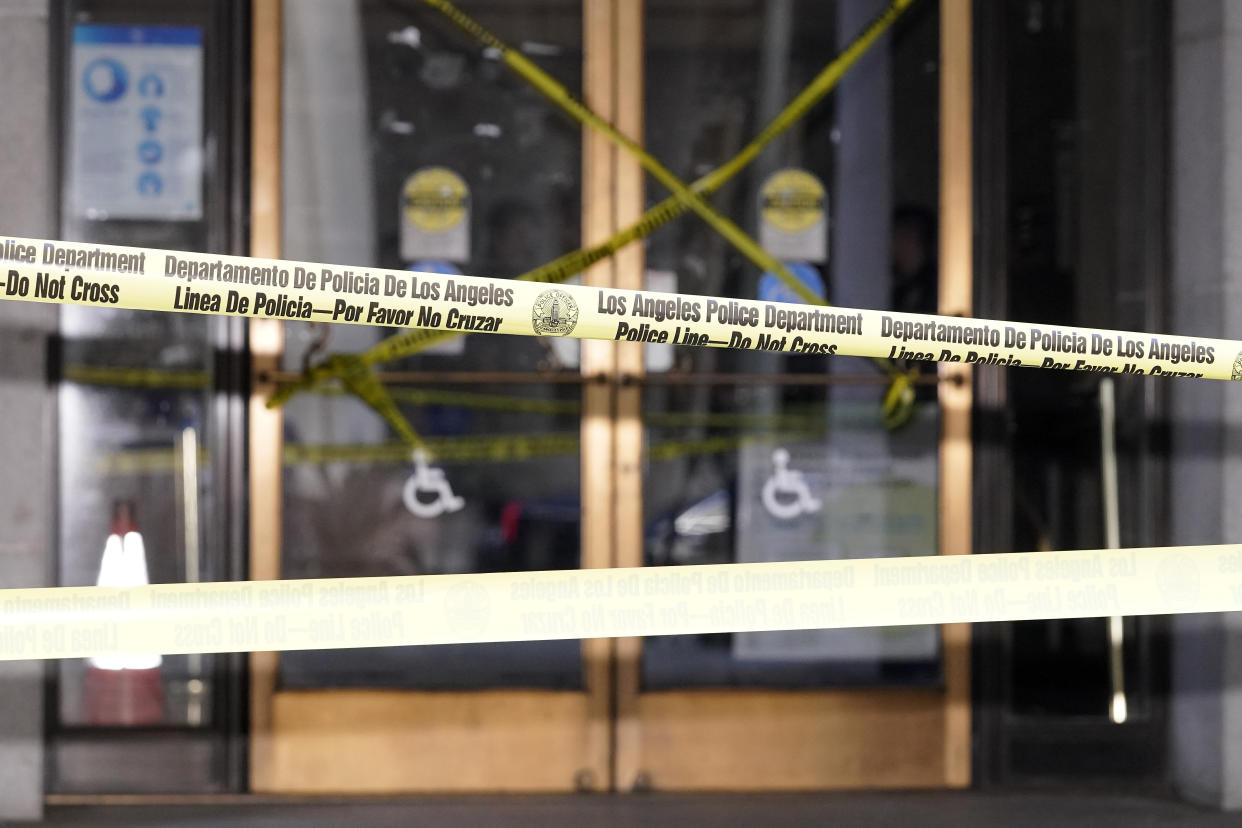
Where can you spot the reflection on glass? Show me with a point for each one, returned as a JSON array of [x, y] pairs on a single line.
[[133, 488], [413, 147], [1079, 248], [747, 469], [497, 490], [818, 480]]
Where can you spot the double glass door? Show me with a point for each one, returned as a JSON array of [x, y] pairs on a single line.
[[387, 136]]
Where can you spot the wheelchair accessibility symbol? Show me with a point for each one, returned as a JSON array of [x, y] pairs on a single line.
[[429, 480], [786, 494]]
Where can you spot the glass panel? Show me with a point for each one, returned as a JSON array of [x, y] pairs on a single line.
[[1083, 182], [408, 145], [517, 474], [136, 490], [143, 163], [847, 199]]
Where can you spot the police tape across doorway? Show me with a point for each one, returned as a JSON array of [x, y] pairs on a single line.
[[76, 622], [132, 278], [288, 615]]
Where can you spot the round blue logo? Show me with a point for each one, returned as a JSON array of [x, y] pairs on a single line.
[[772, 289], [435, 266], [104, 79]]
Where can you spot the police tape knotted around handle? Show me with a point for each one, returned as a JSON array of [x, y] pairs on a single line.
[[133, 278]]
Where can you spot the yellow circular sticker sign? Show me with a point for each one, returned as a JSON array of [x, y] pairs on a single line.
[[435, 199], [792, 201]]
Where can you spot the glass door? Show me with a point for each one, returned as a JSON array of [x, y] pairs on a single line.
[[150, 406], [1076, 195], [385, 136], [406, 144], [749, 456]]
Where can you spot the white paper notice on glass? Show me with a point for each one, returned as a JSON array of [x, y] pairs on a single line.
[[136, 123], [860, 491]]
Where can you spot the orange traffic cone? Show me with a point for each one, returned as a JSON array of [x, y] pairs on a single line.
[[124, 689]]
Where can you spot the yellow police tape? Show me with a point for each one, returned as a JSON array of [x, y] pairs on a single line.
[[555, 92], [898, 402], [74, 622], [799, 417], [137, 377], [83, 621], [40, 270], [494, 448]]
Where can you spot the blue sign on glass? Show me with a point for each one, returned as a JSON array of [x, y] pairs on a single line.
[[772, 289], [136, 123]]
